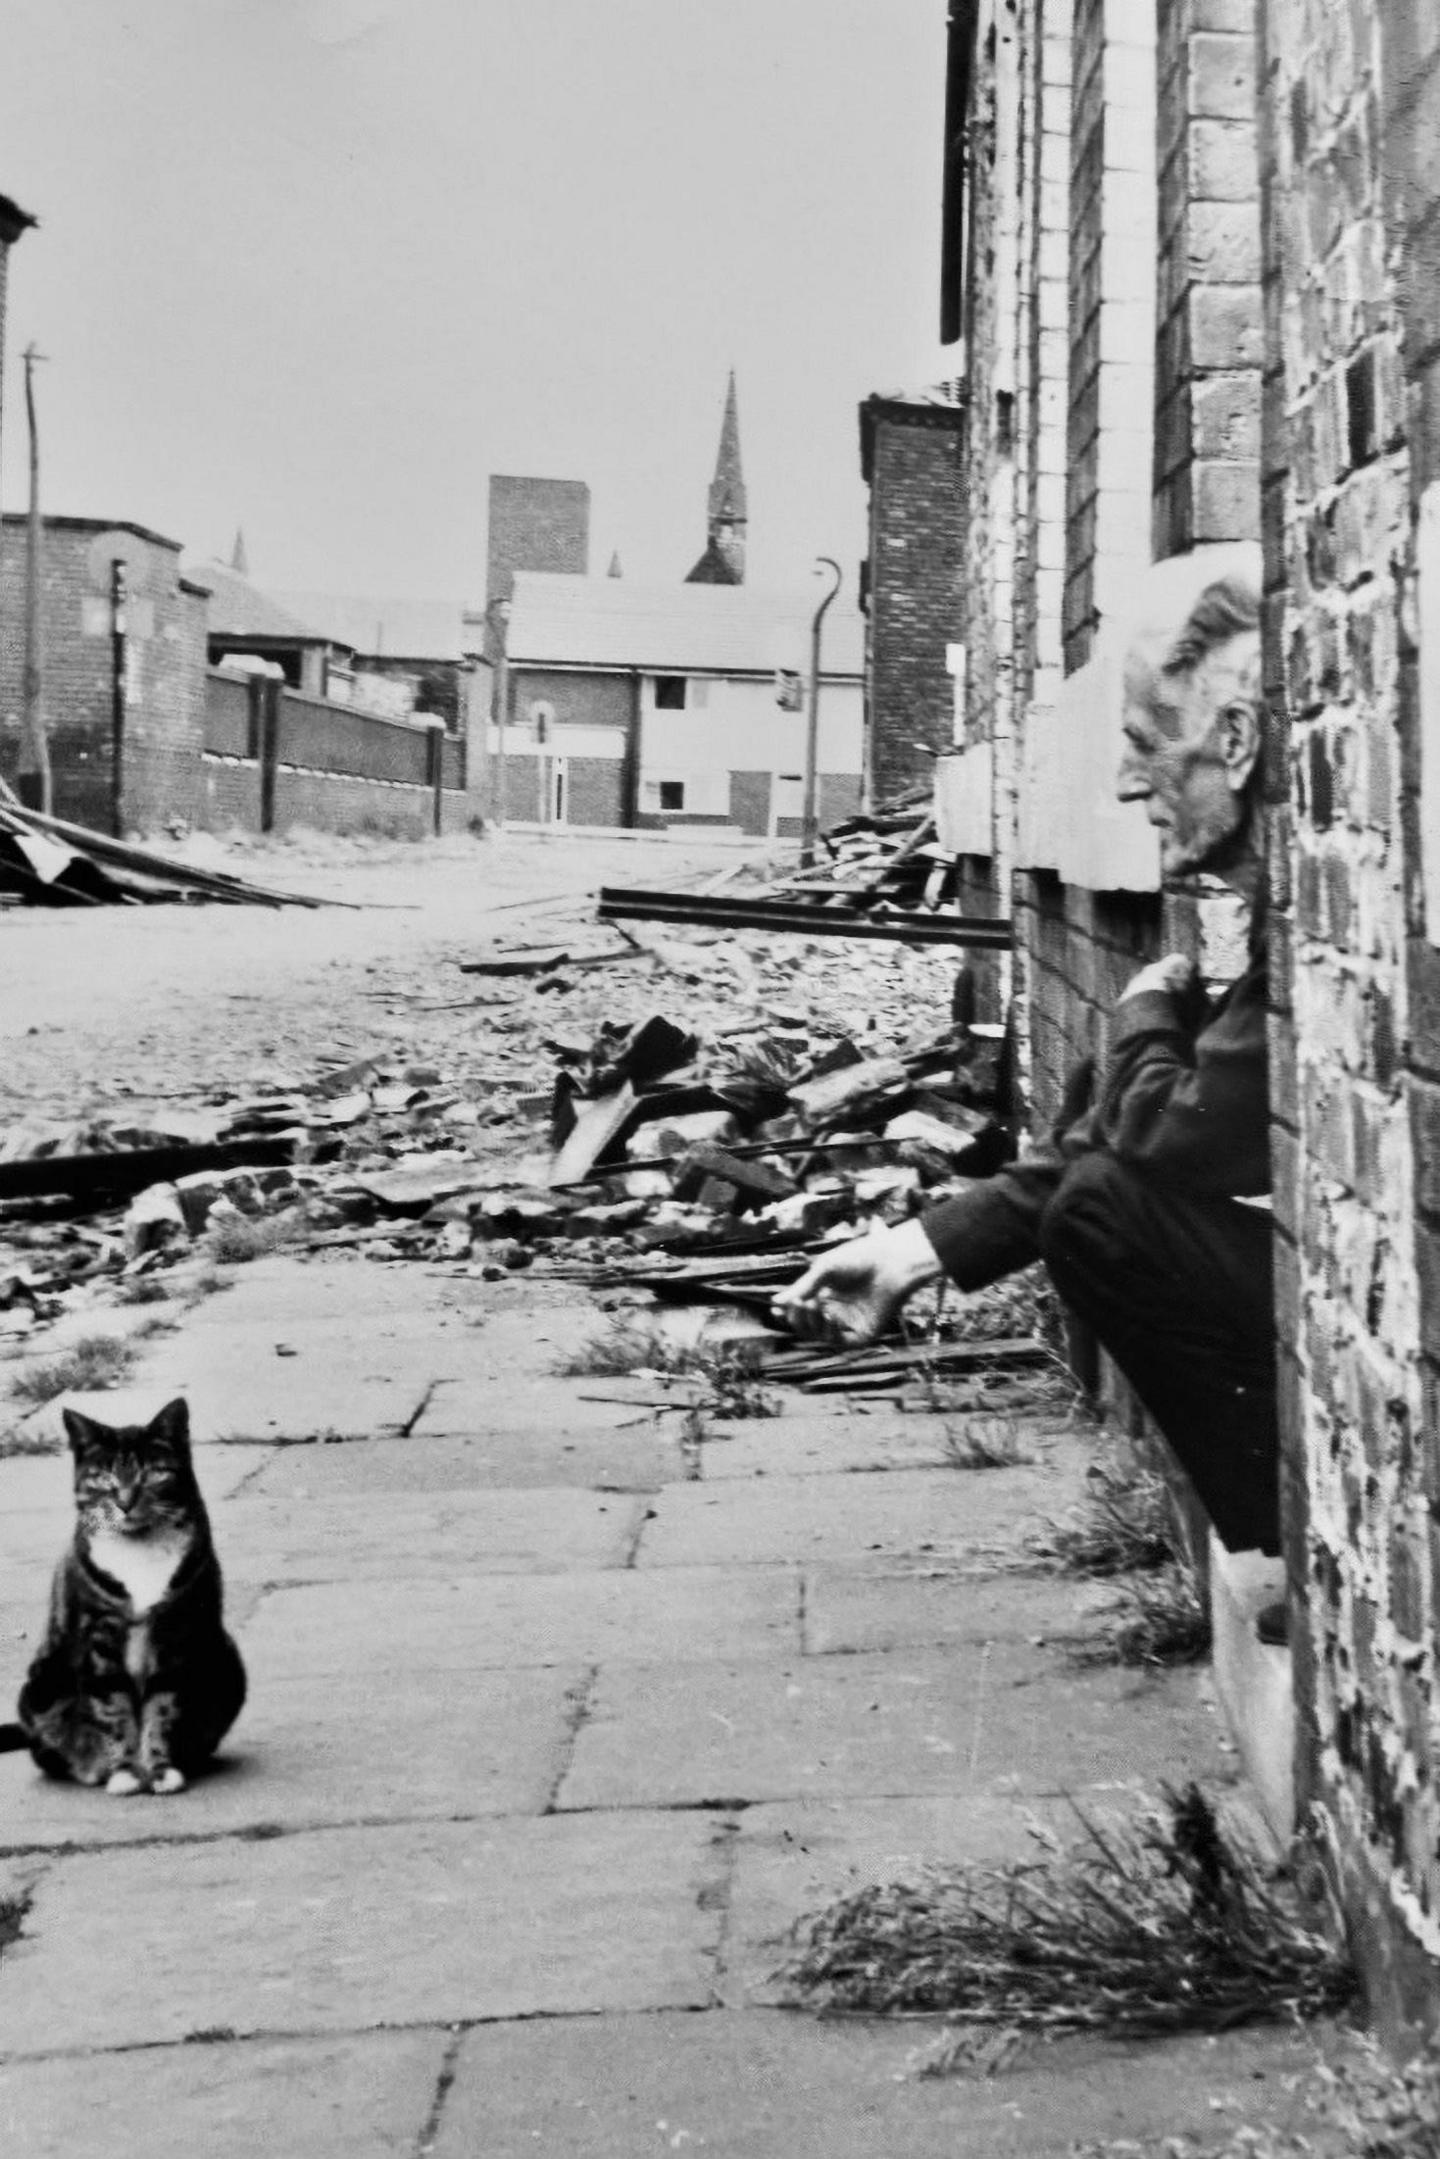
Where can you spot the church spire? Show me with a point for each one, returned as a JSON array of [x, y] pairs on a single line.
[[238, 562], [723, 562]]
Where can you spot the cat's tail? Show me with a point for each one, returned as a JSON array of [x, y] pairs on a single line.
[[12, 1738]]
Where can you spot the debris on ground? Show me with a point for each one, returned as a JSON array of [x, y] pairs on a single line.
[[48, 862], [1169, 1923], [678, 1116]]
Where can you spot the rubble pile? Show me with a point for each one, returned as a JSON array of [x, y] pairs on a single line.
[[574, 1124]]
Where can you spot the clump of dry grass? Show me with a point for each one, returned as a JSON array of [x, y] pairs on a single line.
[[1162, 1925], [986, 1443], [1124, 1525], [627, 1345], [1158, 1619], [731, 1371], [95, 1361]]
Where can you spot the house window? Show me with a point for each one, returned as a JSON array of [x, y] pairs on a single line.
[[669, 693], [672, 794]]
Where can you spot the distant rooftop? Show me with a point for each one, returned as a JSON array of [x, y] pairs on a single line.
[[605, 622], [240, 609], [387, 628]]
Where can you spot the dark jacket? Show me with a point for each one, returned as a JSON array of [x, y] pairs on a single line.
[[1183, 1099]]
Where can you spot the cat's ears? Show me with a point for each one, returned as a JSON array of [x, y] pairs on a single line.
[[172, 1423], [171, 1426]]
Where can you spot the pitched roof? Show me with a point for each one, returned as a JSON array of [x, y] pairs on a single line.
[[714, 568], [610, 623], [240, 609], [387, 628]]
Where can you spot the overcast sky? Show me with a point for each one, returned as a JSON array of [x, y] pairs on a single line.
[[317, 267]]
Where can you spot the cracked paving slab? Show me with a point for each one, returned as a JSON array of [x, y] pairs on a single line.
[[366, 2096], [303, 1538], [487, 1459], [337, 1930], [517, 1620], [757, 2085], [925, 1514], [1000, 1718], [347, 1747]]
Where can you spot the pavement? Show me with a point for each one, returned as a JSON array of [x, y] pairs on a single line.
[[559, 1718]]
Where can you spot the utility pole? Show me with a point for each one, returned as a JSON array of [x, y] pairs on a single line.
[[498, 615], [36, 754], [809, 821], [118, 669]]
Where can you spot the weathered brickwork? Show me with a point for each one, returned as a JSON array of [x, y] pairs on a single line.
[[1208, 327], [911, 460], [1087, 199], [1360, 1447], [165, 669]]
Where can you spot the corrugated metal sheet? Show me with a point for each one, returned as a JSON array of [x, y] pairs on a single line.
[[609, 622]]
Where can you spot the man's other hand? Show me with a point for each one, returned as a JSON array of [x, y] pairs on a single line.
[[852, 1293], [1174, 975]]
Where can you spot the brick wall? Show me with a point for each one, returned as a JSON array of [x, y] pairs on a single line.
[[1087, 200], [1208, 329], [165, 680], [916, 532], [535, 525], [1359, 978]]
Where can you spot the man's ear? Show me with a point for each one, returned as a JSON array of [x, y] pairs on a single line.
[[1242, 738]]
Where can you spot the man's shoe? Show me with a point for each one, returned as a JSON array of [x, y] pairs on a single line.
[[1272, 1624]]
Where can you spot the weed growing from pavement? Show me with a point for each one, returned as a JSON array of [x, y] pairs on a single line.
[[730, 1371], [1358, 2106], [1157, 1619], [986, 1443], [94, 1362], [1124, 1525], [1165, 1924]]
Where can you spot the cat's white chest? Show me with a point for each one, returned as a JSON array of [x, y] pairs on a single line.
[[143, 1566]]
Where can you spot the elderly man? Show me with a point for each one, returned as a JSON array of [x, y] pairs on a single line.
[[1136, 1203]]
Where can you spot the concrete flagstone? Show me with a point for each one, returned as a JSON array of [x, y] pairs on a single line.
[[849, 1609], [518, 1402], [338, 1929], [763, 2085], [304, 1538], [908, 1513], [608, 1460], [802, 1445], [1001, 1717], [362, 2097], [519, 1620], [360, 1746], [275, 1379]]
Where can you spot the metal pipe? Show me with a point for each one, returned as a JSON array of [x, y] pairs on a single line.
[[809, 821]]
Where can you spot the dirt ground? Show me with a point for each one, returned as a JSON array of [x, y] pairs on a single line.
[[146, 1006], [166, 1003]]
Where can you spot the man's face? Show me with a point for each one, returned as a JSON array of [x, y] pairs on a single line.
[[1183, 758]]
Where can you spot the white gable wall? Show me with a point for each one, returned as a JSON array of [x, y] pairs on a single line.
[[735, 725]]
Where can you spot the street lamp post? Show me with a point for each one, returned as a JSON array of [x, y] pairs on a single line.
[[498, 615], [809, 821]]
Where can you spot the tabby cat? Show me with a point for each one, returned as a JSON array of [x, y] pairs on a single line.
[[136, 1681]]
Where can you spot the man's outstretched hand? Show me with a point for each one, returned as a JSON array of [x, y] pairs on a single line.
[[853, 1293]]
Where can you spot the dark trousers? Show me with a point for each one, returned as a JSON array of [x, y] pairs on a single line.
[[1179, 1292]]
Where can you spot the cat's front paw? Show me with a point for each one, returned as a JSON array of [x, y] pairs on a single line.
[[168, 1780], [123, 1784]]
